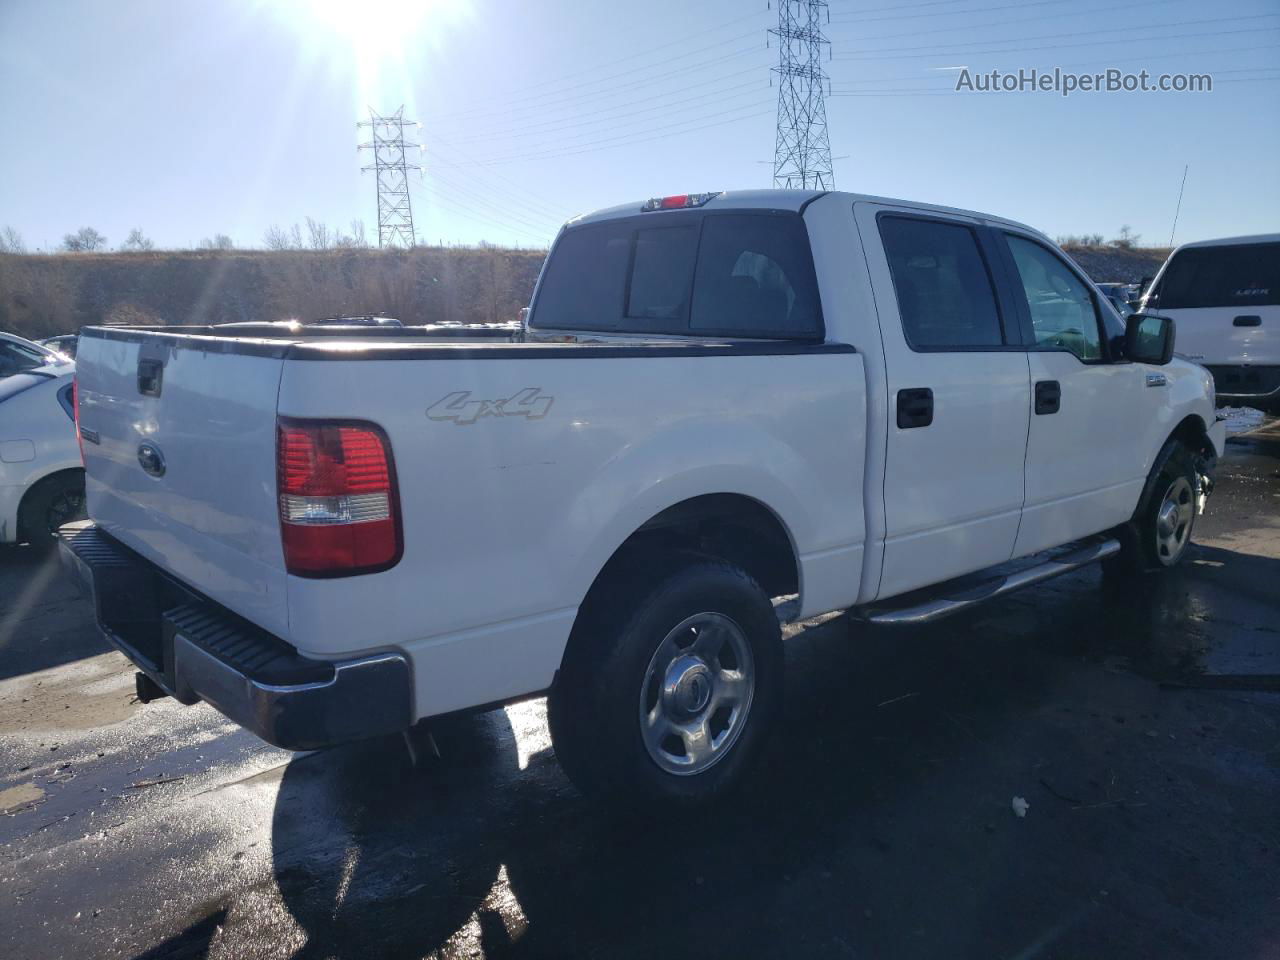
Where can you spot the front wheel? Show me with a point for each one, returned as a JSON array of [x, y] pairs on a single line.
[[1159, 534], [670, 684]]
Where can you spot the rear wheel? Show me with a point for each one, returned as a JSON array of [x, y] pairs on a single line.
[[49, 504], [670, 685]]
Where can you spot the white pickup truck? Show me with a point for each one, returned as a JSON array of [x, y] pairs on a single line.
[[719, 400]]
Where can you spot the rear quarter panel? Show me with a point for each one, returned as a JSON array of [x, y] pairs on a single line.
[[508, 519]]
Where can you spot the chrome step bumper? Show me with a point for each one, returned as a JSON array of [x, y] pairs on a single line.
[[193, 649]]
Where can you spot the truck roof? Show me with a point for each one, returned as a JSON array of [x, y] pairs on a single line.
[[794, 200], [1233, 241]]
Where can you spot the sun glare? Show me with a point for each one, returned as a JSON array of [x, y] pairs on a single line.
[[376, 39]]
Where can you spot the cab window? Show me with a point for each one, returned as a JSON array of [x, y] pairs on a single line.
[[1063, 315], [687, 274], [945, 297], [1236, 275]]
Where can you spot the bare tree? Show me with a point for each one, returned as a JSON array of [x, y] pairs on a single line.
[[84, 240], [219, 241], [137, 241], [321, 239], [1080, 240], [295, 237], [11, 241], [358, 235], [276, 238], [1126, 239]]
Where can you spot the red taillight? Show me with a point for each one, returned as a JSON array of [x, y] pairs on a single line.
[[339, 514], [75, 406]]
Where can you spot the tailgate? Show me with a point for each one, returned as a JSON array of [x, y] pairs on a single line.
[[180, 459], [1228, 335]]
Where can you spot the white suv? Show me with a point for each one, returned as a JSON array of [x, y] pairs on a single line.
[[1224, 296]]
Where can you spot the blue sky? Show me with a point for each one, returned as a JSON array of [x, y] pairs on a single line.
[[188, 119]]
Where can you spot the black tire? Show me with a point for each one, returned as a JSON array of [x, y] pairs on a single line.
[[595, 709], [49, 504], [1145, 544]]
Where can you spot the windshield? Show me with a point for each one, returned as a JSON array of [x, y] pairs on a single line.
[[17, 356], [1234, 275]]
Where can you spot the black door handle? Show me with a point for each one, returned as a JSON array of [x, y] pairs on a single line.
[[1048, 397], [915, 407], [1248, 320]]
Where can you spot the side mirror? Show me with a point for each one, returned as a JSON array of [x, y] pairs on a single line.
[[1148, 339]]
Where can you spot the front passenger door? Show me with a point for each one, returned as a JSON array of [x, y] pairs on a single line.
[[1085, 463]]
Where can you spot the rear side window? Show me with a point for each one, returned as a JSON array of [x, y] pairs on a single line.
[[755, 277], [1236, 275], [945, 296], [583, 285], [723, 275]]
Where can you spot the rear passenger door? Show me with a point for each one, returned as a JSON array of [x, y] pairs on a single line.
[[959, 396]]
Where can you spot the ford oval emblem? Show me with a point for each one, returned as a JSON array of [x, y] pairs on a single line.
[[151, 459]]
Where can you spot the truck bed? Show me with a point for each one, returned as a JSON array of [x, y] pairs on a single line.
[[517, 477]]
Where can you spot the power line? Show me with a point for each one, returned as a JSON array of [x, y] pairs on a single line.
[[516, 193], [1110, 9], [577, 115], [802, 150], [849, 86], [511, 103], [648, 52], [1060, 46], [659, 133], [859, 19], [391, 175], [668, 108], [477, 203], [954, 47]]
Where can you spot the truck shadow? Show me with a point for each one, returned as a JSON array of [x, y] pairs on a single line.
[[889, 783], [44, 619]]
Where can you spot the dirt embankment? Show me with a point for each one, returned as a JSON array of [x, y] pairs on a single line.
[[1117, 265], [45, 295]]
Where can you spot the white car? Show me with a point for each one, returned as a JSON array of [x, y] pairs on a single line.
[[723, 400], [1224, 296], [41, 475]]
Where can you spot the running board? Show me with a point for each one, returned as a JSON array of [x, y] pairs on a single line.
[[938, 607]]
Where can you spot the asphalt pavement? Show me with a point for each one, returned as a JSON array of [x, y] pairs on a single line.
[[1141, 728]]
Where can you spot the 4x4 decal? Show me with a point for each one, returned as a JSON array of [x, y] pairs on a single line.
[[463, 411]]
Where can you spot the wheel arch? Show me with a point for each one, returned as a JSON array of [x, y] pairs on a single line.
[[733, 527], [1194, 433]]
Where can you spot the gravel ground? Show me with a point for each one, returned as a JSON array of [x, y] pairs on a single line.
[[1141, 729]]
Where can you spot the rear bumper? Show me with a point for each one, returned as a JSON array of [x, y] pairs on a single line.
[[1245, 381], [196, 650]]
